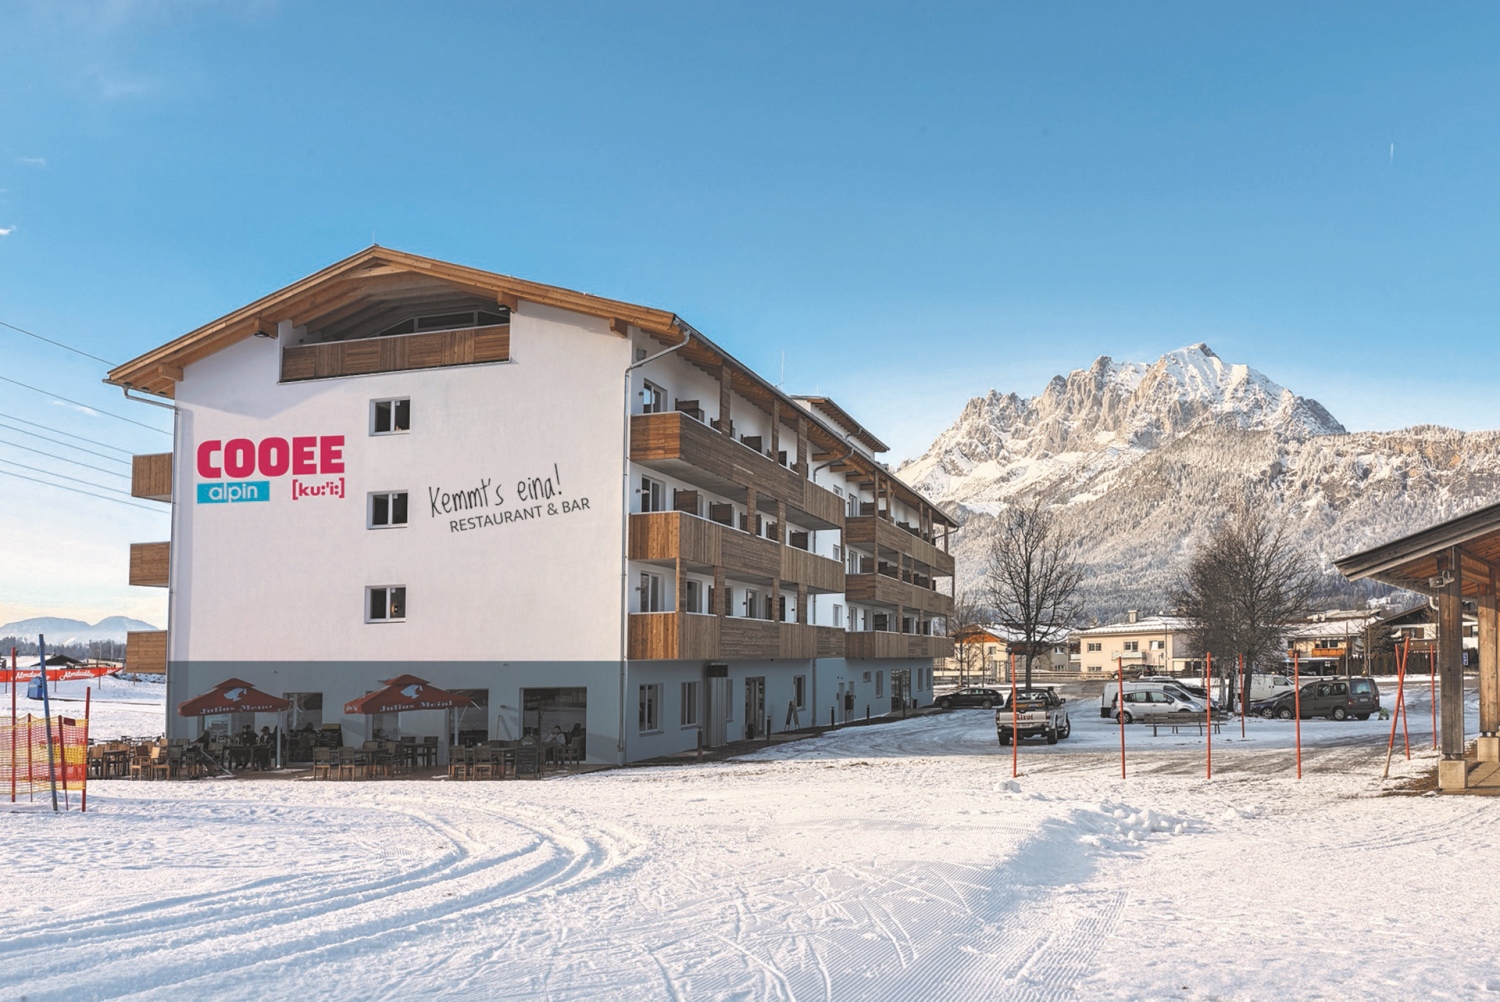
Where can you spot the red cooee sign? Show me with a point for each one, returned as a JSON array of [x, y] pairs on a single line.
[[303, 455]]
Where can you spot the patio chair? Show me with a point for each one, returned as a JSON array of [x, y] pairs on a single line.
[[484, 764], [322, 763], [349, 765], [458, 763]]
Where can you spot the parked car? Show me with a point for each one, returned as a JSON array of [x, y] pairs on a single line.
[[1181, 687], [1037, 711], [1334, 698], [1111, 694], [1143, 702], [983, 698]]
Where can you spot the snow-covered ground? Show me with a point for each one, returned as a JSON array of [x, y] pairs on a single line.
[[117, 707], [898, 861]]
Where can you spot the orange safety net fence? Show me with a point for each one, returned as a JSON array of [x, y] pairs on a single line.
[[24, 750]]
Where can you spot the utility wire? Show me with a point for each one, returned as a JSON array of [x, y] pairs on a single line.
[[69, 445], [59, 344], [65, 459], [54, 396], [75, 490], [59, 431], [86, 483]]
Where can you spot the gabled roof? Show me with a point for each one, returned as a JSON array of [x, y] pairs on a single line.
[[1412, 560], [1146, 624], [841, 417]]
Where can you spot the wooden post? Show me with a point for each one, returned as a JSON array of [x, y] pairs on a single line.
[[726, 391], [1488, 746], [775, 430], [1451, 671]]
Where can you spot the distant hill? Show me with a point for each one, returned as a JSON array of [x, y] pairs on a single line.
[[62, 632], [1140, 461]]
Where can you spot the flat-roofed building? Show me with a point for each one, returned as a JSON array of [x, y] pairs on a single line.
[[578, 512]]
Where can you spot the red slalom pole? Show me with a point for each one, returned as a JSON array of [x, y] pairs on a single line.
[[1401, 699], [83, 798], [1297, 698], [13, 726], [1120, 712], [1208, 711], [1400, 706], [1244, 697], [1015, 735]]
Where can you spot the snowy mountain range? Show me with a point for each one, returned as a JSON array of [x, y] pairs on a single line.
[[64, 632], [1139, 462]]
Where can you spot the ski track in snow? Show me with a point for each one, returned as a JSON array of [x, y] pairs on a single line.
[[894, 862]]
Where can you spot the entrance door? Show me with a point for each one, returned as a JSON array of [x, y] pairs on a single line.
[[715, 731], [900, 688], [755, 707]]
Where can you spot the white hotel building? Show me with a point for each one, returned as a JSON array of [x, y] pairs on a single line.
[[577, 511]]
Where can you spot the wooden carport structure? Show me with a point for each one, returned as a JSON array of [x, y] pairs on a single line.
[[1454, 562]]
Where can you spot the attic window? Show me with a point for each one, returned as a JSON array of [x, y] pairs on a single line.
[[447, 322]]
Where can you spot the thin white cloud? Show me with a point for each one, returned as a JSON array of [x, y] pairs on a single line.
[[6, 231], [32, 161]]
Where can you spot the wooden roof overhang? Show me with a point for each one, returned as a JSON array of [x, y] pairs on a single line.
[[373, 285], [1412, 562], [842, 418]]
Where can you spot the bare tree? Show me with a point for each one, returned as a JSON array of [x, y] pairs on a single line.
[[966, 625], [1244, 586], [1033, 580]]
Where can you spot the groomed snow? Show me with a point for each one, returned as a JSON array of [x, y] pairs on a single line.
[[898, 861]]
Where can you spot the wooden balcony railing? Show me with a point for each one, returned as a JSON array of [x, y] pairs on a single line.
[[146, 652], [682, 636], [151, 476], [871, 530], [896, 645], [878, 589], [148, 564], [694, 452], [396, 353], [668, 535]]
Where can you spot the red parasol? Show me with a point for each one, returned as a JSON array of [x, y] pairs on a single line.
[[406, 692], [233, 695]]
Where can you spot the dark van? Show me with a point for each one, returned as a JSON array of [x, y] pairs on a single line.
[[1334, 698]]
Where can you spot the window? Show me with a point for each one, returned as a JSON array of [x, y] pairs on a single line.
[[1132, 645], [387, 510], [689, 704], [447, 322], [838, 614], [799, 691], [693, 596], [1095, 646], [653, 495], [880, 683], [390, 417], [653, 399], [386, 603], [1158, 645], [651, 592], [650, 709]]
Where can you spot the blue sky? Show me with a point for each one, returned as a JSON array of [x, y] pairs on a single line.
[[910, 204]]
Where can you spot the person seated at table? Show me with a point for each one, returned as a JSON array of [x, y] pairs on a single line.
[[204, 738], [266, 737]]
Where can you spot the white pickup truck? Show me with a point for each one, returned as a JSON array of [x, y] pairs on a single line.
[[1037, 711]]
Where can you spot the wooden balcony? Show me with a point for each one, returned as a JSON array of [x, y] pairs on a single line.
[[146, 652], [878, 589], [396, 353], [870, 531], [690, 637], [151, 476], [148, 564], [896, 645], [668, 535], [693, 452]]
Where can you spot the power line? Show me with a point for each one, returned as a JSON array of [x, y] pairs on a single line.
[[59, 344], [68, 445], [87, 483], [65, 459], [59, 431], [54, 396], [75, 490]]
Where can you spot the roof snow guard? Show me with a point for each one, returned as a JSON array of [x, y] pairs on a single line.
[[1412, 562]]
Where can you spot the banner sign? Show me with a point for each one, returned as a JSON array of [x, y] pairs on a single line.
[[69, 674]]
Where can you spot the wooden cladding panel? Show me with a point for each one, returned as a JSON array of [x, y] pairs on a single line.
[[151, 476], [749, 638], [146, 651], [821, 503], [667, 636], [818, 573], [896, 645], [872, 530], [435, 349], [148, 564], [881, 590]]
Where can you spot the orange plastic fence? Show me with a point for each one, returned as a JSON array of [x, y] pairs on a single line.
[[23, 755]]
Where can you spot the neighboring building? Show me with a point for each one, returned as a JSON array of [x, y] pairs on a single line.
[[576, 511], [981, 654], [1140, 643]]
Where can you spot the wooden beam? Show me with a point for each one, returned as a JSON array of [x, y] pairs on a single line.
[[620, 327], [1489, 661], [1450, 655]]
